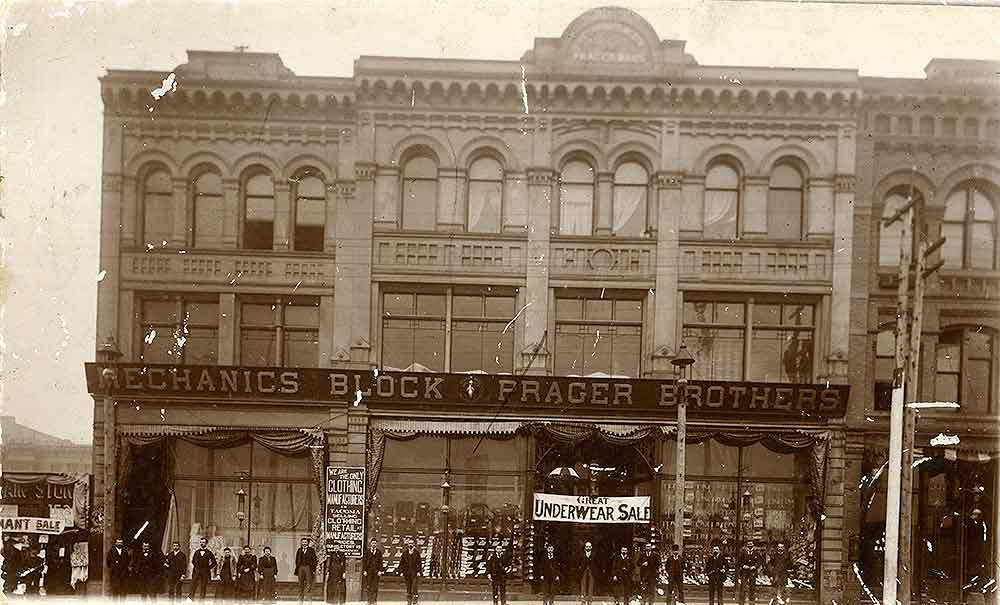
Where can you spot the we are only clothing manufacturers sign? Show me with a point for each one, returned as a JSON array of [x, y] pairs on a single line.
[[345, 509], [591, 509]]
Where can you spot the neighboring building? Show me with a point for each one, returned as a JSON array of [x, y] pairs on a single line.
[[466, 276], [25, 450]]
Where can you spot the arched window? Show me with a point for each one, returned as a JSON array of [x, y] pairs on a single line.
[[576, 198], [208, 210], [258, 217], [889, 236], [310, 214], [966, 369], [969, 229], [158, 209], [628, 207], [784, 203], [420, 176], [722, 201], [485, 195]]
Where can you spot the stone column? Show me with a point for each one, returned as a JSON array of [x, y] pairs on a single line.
[[352, 321], [665, 337], [850, 543], [832, 547], [753, 214], [183, 229], [603, 204], [231, 219], [130, 216], [451, 200], [352, 449], [385, 197], [282, 213], [843, 250], [534, 356], [228, 329]]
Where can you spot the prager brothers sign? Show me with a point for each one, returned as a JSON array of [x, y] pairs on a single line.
[[427, 390]]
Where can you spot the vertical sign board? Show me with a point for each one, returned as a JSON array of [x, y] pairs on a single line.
[[345, 508]]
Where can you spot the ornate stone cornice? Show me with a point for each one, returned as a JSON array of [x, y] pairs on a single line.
[[235, 131]]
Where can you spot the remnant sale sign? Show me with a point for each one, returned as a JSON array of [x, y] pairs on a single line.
[[345, 508], [591, 509], [31, 525]]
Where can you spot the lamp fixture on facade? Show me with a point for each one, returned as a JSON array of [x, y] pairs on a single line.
[[241, 506]]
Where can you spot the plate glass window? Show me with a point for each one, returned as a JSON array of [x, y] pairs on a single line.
[[485, 195], [722, 198], [629, 205], [158, 209], [310, 214], [258, 219], [420, 184], [576, 198]]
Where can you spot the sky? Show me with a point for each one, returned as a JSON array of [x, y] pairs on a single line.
[[50, 113]]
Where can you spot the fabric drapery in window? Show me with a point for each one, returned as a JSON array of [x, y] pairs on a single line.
[[782, 443]]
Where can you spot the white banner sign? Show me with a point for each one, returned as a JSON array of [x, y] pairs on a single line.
[[31, 525], [588, 509]]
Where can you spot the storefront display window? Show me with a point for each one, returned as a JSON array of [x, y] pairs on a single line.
[[240, 495], [733, 494], [484, 494]]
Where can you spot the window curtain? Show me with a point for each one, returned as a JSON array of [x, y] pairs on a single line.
[[287, 442], [781, 443]]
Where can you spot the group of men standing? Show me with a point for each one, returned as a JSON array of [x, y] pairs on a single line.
[[243, 578], [630, 577]]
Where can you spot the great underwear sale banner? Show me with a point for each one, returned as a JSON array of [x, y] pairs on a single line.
[[591, 509]]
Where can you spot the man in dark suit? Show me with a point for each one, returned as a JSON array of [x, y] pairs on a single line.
[[371, 571], [715, 568], [227, 576], [203, 564], [175, 567], [118, 568], [550, 575], [305, 568], [675, 574], [749, 569], [334, 574], [586, 573], [496, 569], [411, 567], [146, 569], [621, 577], [649, 573]]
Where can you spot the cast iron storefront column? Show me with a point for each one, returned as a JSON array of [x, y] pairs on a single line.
[[109, 354]]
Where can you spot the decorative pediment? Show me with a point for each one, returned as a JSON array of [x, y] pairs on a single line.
[[609, 40]]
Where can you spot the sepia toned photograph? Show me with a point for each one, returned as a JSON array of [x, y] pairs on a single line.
[[381, 302]]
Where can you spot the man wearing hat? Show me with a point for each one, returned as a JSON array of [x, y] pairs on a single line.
[[334, 570], [649, 573]]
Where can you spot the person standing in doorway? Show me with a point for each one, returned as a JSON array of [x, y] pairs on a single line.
[[780, 564], [203, 565], [496, 569], [549, 576], [649, 573], [586, 572], [118, 568], [246, 575], [334, 574], [749, 569], [371, 571], [305, 569], [174, 568], [621, 577], [11, 567], [267, 567], [147, 572], [227, 576], [675, 574], [715, 568], [411, 567]]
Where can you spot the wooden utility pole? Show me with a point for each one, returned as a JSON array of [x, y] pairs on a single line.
[[896, 412]]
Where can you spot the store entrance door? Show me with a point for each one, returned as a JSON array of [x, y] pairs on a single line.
[[594, 468]]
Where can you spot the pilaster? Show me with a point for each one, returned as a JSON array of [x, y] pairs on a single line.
[[128, 226], [534, 356], [386, 197], [282, 214], [664, 336], [182, 229], [451, 200], [753, 219], [227, 329], [352, 337], [230, 213], [843, 260], [604, 204]]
